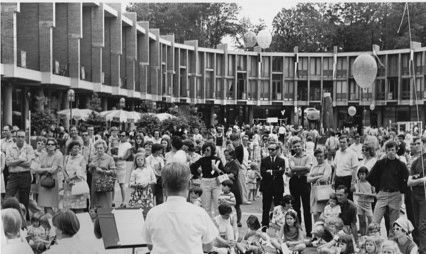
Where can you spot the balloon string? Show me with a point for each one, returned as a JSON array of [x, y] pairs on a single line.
[[402, 19]]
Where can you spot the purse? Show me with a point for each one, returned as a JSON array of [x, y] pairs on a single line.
[[105, 183], [222, 178], [322, 192], [80, 188], [47, 181]]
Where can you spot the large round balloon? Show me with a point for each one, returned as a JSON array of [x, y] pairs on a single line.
[[351, 110], [249, 39], [264, 39], [364, 70]]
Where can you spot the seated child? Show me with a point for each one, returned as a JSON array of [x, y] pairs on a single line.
[[228, 231], [278, 218], [292, 233], [370, 246], [227, 197], [195, 195], [256, 241], [37, 235], [320, 235], [332, 209]]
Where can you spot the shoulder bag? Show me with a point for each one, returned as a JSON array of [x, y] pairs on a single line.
[[104, 182], [322, 192]]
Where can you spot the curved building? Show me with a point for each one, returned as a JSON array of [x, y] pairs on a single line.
[[49, 48]]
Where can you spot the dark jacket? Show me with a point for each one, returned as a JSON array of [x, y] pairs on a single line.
[[278, 168], [380, 168]]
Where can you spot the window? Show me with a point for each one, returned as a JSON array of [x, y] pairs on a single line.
[[315, 69], [277, 63], [315, 91], [209, 85], [277, 87], [265, 67], [241, 63], [289, 90], [264, 90], [380, 89], [353, 90], [241, 89], [392, 89], [405, 89], [289, 71], [342, 90], [302, 90]]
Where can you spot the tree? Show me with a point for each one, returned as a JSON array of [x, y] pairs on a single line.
[[95, 102], [41, 120], [206, 22], [149, 123]]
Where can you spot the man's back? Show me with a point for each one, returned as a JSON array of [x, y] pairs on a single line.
[[177, 226]]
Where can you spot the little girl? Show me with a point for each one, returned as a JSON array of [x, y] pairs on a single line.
[[142, 181], [255, 240], [370, 246], [37, 237], [332, 209], [292, 233], [252, 176], [278, 214]]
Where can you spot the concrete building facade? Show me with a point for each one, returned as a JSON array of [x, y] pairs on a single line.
[[49, 48]]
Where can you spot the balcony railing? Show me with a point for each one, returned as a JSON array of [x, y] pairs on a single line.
[[341, 73], [328, 73], [405, 71], [288, 96], [380, 96], [341, 96]]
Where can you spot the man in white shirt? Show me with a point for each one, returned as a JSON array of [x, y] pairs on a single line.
[[357, 146], [176, 154], [346, 162], [124, 152], [165, 223]]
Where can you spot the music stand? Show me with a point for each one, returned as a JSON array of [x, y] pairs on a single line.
[[122, 228]]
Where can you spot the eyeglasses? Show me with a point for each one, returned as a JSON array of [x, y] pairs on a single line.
[[272, 149], [20, 136], [85, 135], [51, 144], [40, 143]]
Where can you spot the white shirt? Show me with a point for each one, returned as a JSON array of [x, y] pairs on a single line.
[[178, 156], [357, 149], [156, 163], [281, 130], [123, 147], [345, 162], [143, 176], [178, 227]]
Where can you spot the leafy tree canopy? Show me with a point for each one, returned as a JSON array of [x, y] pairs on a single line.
[[206, 22]]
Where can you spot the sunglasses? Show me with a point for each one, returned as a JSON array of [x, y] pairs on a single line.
[[51, 144], [85, 135], [272, 149], [20, 136]]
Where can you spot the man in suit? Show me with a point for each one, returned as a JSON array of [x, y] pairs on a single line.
[[272, 185]]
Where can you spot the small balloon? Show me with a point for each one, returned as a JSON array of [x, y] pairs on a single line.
[[249, 39], [264, 39], [372, 107], [351, 110], [364, 70]]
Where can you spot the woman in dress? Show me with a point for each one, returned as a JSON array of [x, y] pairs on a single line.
[[232, 169], [319, 174], [142, 181], [101, 165], [50, 163], [74, 171]]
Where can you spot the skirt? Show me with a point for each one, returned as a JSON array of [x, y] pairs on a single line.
[[142, 198], [121, 171]]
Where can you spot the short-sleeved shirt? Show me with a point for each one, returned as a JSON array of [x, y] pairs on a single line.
[[303, 160], [345, 162], [14, 153], [179, 227], [348, 212]]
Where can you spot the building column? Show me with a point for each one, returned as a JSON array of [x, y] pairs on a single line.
[[66, 105], [39, 96], [104, 104], [250, 114], [7, 98], [26, 114]]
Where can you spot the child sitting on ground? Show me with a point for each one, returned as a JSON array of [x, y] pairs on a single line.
[[195, 195], [278, 218], [292, 234], [228, 231], [255, 241], [37, 235], [332, 209]]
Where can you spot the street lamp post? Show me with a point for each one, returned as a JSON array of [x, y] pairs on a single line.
[[71, 99], [122, 103]]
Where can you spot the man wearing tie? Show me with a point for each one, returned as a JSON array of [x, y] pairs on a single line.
[[272, 184]]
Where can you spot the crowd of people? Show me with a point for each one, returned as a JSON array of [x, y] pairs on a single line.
[[320, 192]]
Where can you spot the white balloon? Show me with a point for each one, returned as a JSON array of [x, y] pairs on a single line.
[[264, 39], [249, 39], [372, 107], [351, 110], [364, 70]]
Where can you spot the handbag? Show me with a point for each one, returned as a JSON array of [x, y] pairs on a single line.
[[80, 188], [47, 181], [222, 178], [322, 192], [105, 183]]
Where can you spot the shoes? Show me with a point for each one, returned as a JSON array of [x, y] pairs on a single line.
[[123, 205], [247, 203], [239, 224]]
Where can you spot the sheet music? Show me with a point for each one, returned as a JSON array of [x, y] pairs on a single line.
[[129, 223]]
